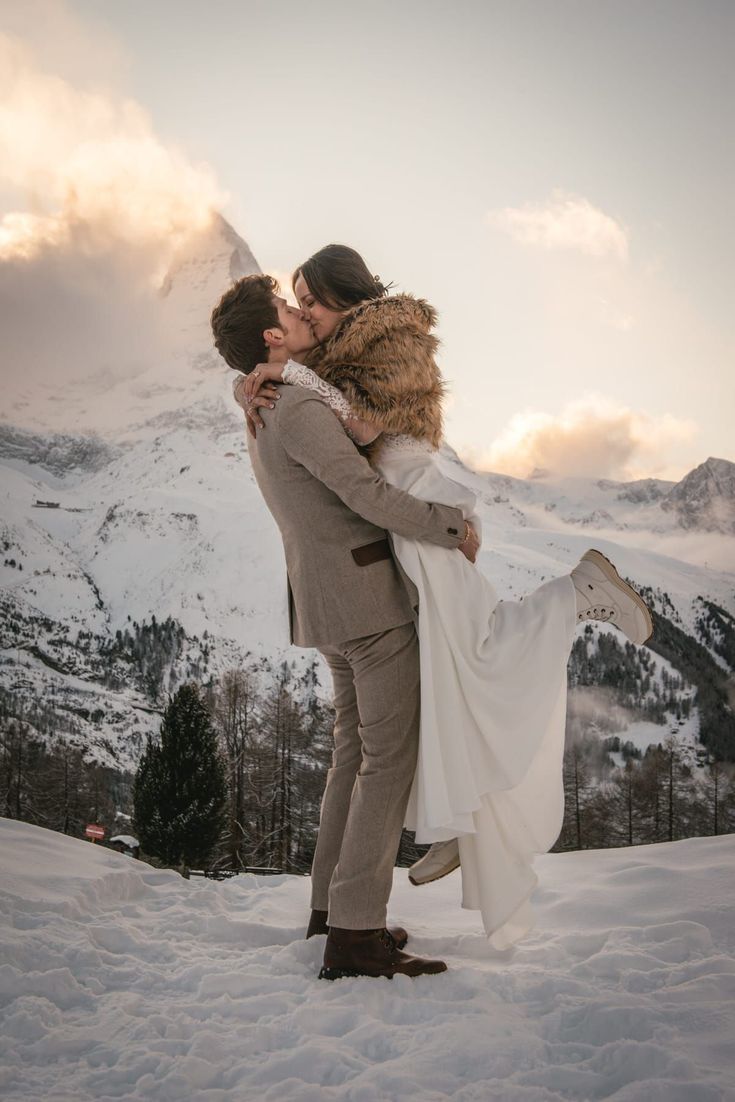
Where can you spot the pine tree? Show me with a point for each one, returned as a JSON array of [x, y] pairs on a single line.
[[179, 792]]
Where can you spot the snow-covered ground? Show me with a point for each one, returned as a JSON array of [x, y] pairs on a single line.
[[118, 981]]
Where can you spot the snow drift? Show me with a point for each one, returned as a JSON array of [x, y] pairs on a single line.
[[120, 981]]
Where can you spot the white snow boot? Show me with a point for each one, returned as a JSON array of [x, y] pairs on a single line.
[[603, 595], [441, 859]]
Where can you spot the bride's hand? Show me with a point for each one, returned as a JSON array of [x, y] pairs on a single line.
[[260, 376], [268, 390], [267, 395]]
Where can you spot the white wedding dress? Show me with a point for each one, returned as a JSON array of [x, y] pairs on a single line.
[[493, 700], [493, 708]]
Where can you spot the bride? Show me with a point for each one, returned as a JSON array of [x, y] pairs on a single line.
[[487, 791]]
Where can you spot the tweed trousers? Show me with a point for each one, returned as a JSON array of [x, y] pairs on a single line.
[[376, 735]]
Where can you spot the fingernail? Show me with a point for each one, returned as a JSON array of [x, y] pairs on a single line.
[[271, 406]]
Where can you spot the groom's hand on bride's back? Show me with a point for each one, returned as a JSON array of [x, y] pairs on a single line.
[[470, 545]]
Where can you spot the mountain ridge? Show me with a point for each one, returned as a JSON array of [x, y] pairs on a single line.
[[157, 514]]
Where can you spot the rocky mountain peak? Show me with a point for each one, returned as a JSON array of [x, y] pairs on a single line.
[[705, 498], [209, 262]]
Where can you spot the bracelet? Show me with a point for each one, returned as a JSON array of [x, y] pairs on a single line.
[[467, 531]]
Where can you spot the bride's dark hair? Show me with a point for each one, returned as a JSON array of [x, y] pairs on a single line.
[[338, 278]]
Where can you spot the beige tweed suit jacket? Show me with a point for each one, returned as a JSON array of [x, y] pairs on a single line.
[[333, 511]]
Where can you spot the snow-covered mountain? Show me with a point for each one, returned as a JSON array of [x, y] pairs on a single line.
[[155, 515], [204, 267], [705, 499], [180, 371]]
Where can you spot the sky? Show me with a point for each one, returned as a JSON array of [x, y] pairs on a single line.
[[556, 177]]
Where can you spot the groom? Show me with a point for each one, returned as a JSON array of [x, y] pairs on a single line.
[[348, 599]]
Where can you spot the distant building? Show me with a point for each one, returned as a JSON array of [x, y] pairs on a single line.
[[125, 843]]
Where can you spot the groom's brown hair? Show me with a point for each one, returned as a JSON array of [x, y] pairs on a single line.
[[240, 318]]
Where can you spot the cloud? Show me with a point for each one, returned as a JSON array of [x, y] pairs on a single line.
[[94, 170], [594, 438], [100, 206], [611, 314], [63, 42], [564, 222]]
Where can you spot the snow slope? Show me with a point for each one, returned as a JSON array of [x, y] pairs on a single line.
[[173, 524], [119, 981]]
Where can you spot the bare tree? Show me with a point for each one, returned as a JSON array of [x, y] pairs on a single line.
[[232, 709], [718, 798], [627, 805], [576, 784], [19, 754]]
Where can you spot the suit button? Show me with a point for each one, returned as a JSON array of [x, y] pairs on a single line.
[[452, 531]]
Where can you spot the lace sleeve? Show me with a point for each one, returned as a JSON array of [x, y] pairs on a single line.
[[298, 375]]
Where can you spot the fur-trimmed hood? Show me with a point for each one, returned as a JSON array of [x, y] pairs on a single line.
[[381, 356]]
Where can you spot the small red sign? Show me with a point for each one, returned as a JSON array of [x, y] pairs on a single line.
[[94, 831]]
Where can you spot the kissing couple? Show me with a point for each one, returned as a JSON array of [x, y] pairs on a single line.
[[449, 703]]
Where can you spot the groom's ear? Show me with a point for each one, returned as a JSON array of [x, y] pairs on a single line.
[[273, 338]]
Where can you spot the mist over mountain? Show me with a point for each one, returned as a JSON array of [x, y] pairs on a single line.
[[138, 553], [103, 343]]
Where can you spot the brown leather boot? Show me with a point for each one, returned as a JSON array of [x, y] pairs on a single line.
[[371, 953], [318, 925]]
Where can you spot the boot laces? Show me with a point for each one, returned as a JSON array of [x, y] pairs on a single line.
[[388, 940], [597, 614]]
